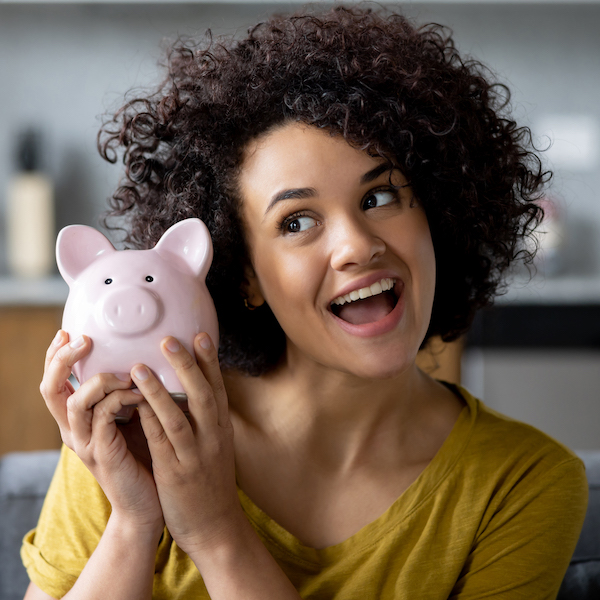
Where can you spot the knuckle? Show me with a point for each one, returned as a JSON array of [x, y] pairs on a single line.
[[67, 441], [177, 424], [219, 388], [72, 403], [102, 409], [152, 387], [215, 447], [102, 380], [96, 380], [157, 435], [65, 355], [186, 363], [50, 354], [213, 359], [206, 398]]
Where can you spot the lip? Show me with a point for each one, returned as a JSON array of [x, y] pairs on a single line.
[[388, 323], [366, 281]]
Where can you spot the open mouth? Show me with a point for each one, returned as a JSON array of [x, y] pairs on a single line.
[[368, 304]]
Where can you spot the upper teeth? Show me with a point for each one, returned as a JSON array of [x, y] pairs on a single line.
[[377, 288]]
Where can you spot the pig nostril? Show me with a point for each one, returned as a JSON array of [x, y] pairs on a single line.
[[131, 310], [108, 281], [149, 279]]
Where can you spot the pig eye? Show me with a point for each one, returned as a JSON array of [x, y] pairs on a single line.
[[149, 278], [108, 281]]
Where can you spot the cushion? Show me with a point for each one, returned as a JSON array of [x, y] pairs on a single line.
[[24, 480]]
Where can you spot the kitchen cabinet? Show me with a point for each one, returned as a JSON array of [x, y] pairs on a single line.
[[25, 333], [539, 362]]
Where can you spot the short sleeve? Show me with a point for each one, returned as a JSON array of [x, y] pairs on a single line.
[[524, 549], [71, 523]]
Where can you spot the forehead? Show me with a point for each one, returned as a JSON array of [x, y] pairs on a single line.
[[298, 155]]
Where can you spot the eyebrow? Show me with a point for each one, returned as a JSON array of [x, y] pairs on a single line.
[[301, 193]]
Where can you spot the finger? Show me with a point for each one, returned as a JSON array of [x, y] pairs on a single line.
[[105, 415], [60, 339], [201, 397], [208, 360], [159, 444], [178, 435], [54, 386], [80, 405]]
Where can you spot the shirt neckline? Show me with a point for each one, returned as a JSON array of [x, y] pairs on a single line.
[[414, 496]]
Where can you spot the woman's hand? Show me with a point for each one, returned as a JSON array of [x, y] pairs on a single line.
[[193, 456], [87, 422]]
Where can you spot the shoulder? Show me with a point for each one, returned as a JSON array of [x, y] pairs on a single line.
[[518, 464], [524, 495]]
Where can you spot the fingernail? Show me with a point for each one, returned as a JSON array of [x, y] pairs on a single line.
[[172, 345], [205, 342], [140, 373], [126, 412], [77, 342], [57, 337], [136, 391], [123, 376]]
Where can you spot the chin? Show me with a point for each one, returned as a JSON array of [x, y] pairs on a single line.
[[378, 369]]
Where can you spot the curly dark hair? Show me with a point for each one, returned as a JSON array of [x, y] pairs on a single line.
[[391, 88]]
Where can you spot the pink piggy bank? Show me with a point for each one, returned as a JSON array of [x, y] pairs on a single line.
[[128, 301]]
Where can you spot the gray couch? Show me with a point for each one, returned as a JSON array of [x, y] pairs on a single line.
[[25, 476]]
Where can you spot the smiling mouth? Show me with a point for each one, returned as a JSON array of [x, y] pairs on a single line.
[[366, 305]]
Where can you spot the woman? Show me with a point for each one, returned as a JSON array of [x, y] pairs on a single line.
[[365, 190]]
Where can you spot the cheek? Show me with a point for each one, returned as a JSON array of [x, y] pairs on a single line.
[[426, 268], [285, 277], [415, 246]]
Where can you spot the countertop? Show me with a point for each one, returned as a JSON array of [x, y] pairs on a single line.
[[565, 290], [50, 291]]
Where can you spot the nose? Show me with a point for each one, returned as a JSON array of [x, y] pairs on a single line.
[[354, 243], [131, 311]]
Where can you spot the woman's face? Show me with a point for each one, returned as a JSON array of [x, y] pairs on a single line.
[[340, 251]]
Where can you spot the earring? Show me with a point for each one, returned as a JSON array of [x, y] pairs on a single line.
[[248, 305]]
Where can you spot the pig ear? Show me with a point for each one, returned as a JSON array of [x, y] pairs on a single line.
[[77, 247], [188, 245]]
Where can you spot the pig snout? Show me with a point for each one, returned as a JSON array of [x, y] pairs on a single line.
[[131, 310]]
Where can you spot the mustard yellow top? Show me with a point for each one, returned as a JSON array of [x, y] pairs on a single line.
[[496, 514]]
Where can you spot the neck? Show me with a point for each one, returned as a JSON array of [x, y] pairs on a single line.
[[336, 417]]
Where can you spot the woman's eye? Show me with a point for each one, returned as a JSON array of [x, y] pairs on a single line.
[[298, 224], [379, 198]]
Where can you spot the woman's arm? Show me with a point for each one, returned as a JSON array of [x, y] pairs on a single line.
[[194, 469], [122, 564], [34, 593]]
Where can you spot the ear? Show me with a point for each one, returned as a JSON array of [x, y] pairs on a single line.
[[250, 287], [187, 244], [77, 247]]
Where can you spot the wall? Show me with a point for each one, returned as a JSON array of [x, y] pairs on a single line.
[[554, 390], [63, 66]]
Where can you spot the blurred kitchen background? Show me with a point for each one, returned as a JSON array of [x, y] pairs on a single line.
[[535, 357]]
